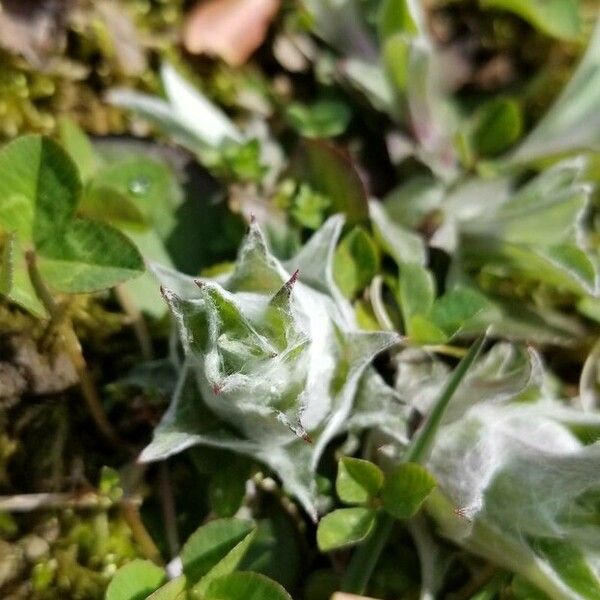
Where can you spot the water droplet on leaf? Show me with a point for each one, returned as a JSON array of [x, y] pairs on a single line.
[[139, 186]]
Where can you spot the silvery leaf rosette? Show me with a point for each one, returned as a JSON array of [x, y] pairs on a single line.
[[518, 475], [276, 366]]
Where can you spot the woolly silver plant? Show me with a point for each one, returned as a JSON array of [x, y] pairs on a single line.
[[274, 363], [517, 482]]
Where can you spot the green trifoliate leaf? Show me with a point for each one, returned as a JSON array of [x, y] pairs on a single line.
[[274, 355], [358, 481], [173, 590], [41, 190], [456, 308], [405, 490], [429, 320], [88, 257], [135, 581], [344, 527], [16, 285], [246, 586], [211, 544], [225, 566]]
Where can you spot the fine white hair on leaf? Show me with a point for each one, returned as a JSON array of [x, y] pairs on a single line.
[[275, 362]]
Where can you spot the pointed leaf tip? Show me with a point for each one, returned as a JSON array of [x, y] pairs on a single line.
[[284, 293], [169, 296]]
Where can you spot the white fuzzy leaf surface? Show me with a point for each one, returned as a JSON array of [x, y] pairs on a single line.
[[274, 362]]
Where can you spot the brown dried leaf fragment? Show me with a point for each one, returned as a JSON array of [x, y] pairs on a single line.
[[229, 29]]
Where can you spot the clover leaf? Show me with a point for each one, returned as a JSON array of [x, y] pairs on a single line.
[[40, 191]]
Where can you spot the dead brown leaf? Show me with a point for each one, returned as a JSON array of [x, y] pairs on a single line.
[[229, 29]]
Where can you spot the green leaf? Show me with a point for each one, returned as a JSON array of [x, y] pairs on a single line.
[[572, 123], [135, 581], [523, 590], [274, 368], [276, 550], [87, 257], [396, 57], [148, 187], [499, 125], [16, 285], [309, 207], [454, 309], [323, 119], [402, 244], [107, 204], [422, 330], [559, 18], [6, 263], [225, 566], [188, 116], [356, 262], [571, 565], [79, 147], [344, 527], [331, 172], [227, 487], [398, 16], [405, 490], [246, 586], [416, 291], [173, 590], [40, 186], [358, 481], [210, 544]]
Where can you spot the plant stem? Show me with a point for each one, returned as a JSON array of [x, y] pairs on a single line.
[[376, 296], [22, 503], [72, 347], [168, 508], [366, 556], [131, 513], [446, 349]]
